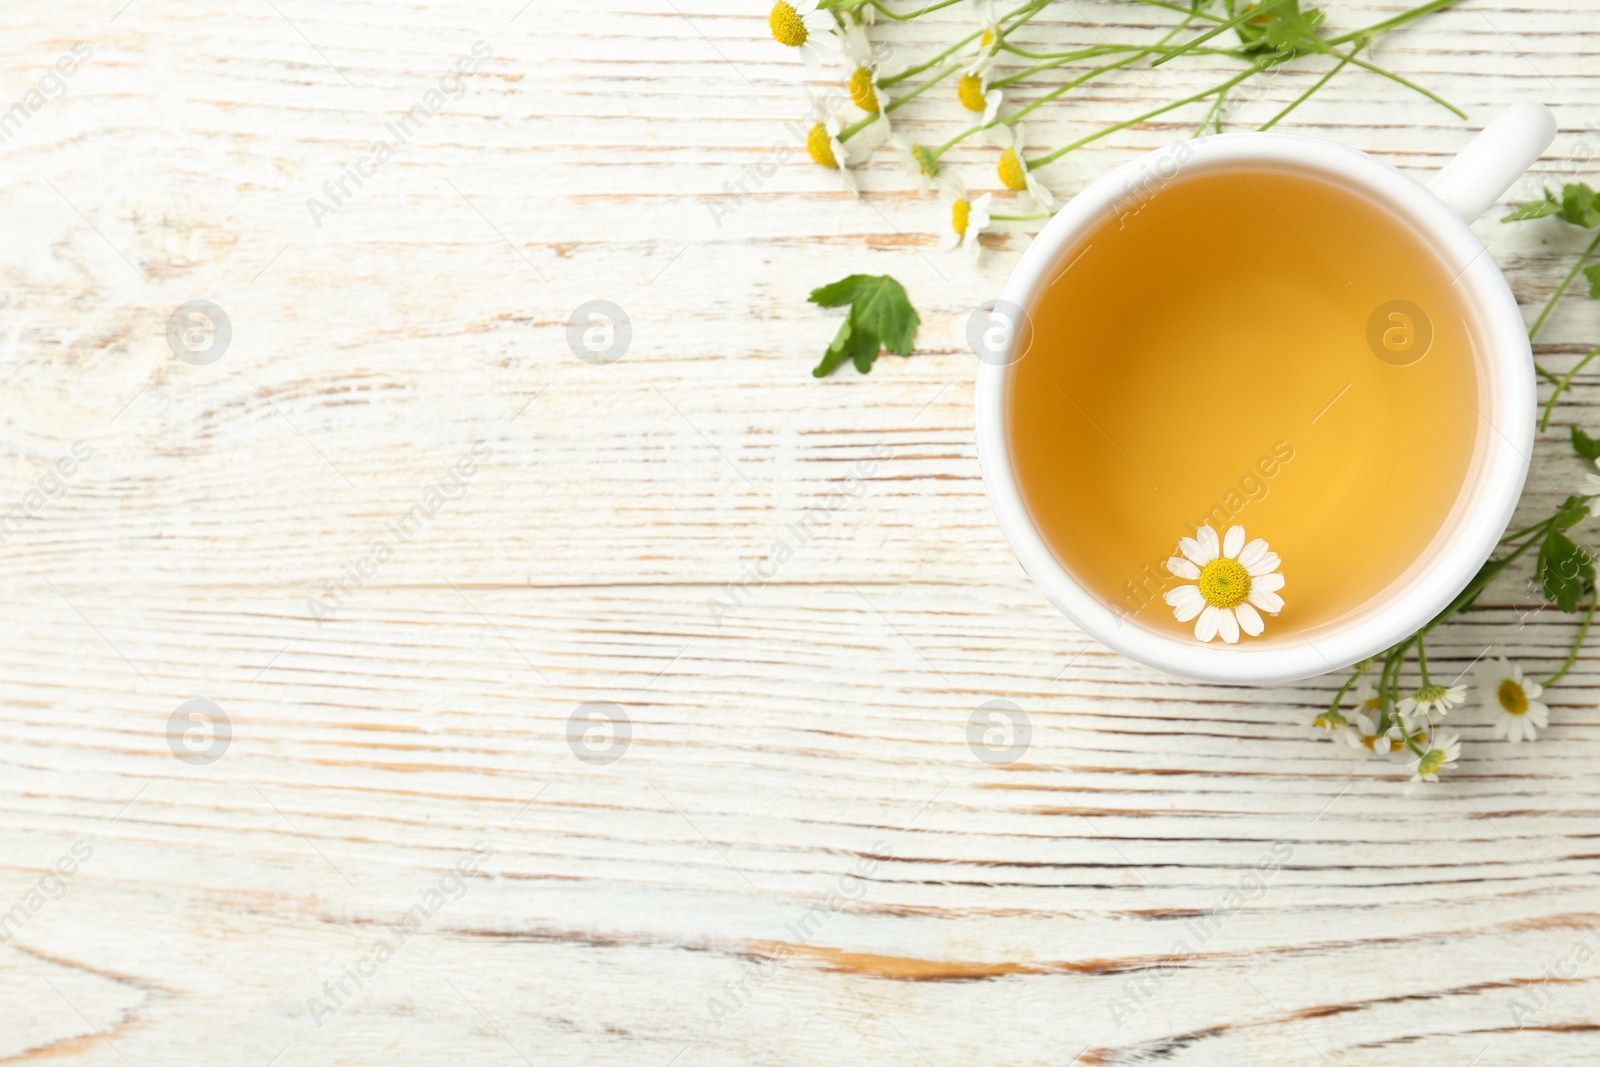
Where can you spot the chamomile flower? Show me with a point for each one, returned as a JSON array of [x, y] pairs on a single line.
[[823, 143], [1446, 748], [865, 90], [798, 24], [1428, 698], [1329, 722], [1363, 737], [1368, 702], [919, 163], [967, 219], [1013, 168], [975, 93], [1234, 579], [989, 29], [1591, 489], [1503, 689]]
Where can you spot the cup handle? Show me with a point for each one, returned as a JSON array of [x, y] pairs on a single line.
[[1485, 169]]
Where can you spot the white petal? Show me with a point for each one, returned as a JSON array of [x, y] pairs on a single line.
[[1228, 626], [1206, 628], [1233, 541], [1209, 544], [1538, 713], [1265, 565], [1183, 594], [1271, 603], [1183, 568], [1516, 732], [1268, 583], [1195, 551], [1253, 552], [1186, 602], [1249, 621]]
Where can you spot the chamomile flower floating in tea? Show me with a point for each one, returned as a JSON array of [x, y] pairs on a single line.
[[1515, 699], [1232, 579], [1446, 748], [798, 24]]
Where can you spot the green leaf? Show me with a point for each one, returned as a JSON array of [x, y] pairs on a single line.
[[1565, 570], [1593, 274], [1573, 510], [1578, 205], [1535, 209], [881, 316], [1584, 445]]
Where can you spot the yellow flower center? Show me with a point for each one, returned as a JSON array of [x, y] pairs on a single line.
[[1371, 741], [987, 39], [862, 92], [970, 90], [818, 144], [787, 26], [1374, 703], [1431, 762], [1012, 173], [1513, 698], [1224, 582], [960, 214]]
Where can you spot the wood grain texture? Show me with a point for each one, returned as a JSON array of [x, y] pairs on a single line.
[[797, 860]]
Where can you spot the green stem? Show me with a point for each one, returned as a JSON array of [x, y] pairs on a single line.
[[920, 11], [1074, 83], [1422, 656], [1538, 323], [1248, 13], [1191, 12], [1080, 142], [1303, 97], [1392, 76], [1544, 423], [1572, 657], [1537, 527], [1390, 23], [1338, 698], [1213, 112], [1025, 12], [1065, 58]]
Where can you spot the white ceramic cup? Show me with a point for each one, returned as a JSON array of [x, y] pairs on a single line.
[[1441, 212]]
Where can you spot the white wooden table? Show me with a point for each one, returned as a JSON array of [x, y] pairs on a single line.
[[797, 858]]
